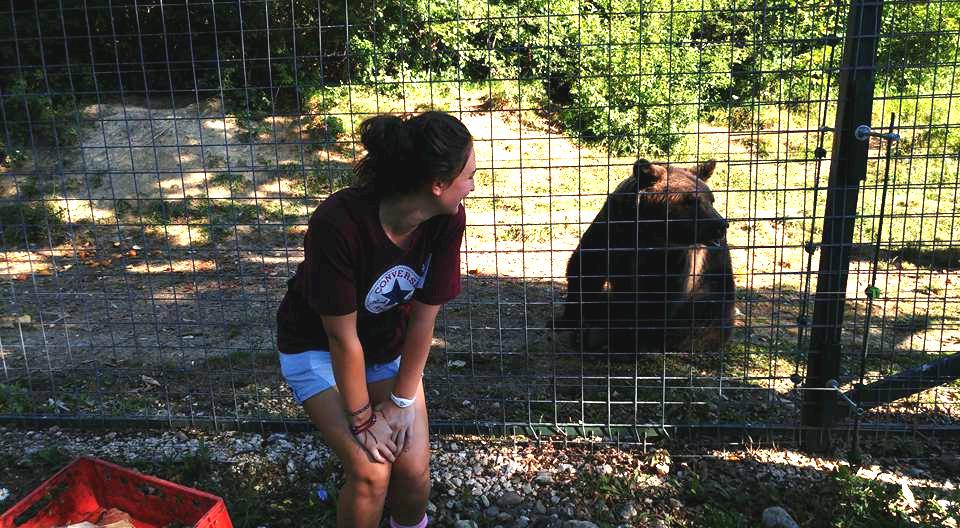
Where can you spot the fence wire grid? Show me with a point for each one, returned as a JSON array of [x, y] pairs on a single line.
[[160, 161]]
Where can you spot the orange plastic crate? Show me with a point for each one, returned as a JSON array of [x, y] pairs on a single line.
[[87, 487]]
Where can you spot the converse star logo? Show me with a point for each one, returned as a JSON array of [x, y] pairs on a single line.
[[395, 286]]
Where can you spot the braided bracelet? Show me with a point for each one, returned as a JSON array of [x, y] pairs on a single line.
[[357, 429], [359, 411]]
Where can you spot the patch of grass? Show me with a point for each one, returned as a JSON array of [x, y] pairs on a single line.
[[526, 233], [231, 180], [164, 212], [11, 158], [605, 491], [324, 179], [50, 458], [133, 403], [859, 502], [252, 125], [242, 359], [212, 160], [216, 217], [256, 494], [25, 222], [14, 399], [287, 170], [715, 516], [38, 116], [325, 130]]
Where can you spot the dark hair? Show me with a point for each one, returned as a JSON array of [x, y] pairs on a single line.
[[404, 154]]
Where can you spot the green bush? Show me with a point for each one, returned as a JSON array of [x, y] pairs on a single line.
[[33, 117], [630, 76], [29, 221]]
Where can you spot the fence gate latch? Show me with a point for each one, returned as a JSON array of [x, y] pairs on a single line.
[[853, 405], [864, 131]]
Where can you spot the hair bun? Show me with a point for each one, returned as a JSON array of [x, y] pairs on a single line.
[[387, 142], [405, 154]]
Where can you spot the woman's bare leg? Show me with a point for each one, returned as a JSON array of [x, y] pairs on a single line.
[[361, 500], [409, 489]]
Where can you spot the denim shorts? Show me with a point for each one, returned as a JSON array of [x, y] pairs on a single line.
[[310, 373]]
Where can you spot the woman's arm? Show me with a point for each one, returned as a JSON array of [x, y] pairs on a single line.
[[349, 368], [415, 348], [349, 371], [413, 359]]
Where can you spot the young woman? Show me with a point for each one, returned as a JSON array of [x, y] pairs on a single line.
[[355, 326]]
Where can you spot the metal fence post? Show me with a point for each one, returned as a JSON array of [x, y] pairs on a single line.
[[848, 167]]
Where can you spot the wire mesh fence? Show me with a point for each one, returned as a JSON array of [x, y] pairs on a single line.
[[161, 160]]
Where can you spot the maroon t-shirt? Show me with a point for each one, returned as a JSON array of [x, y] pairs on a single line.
[[351, 265]]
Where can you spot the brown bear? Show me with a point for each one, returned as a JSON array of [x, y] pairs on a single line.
[[652, 272]]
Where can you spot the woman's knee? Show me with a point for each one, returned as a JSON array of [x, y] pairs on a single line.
[[412, 476], [369, 478]]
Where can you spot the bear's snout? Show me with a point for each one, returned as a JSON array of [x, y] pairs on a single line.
[[710, 229]]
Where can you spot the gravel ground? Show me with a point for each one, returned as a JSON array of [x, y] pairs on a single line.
[[508, 482]]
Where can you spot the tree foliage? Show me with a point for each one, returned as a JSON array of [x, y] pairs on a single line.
[[631, 76]]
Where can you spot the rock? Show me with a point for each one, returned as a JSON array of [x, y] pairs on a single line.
[[579, 524], [509, 499], [908, 497], [485, 501], [675, 504], [504, 517], [431, 508], [543, 477], [950, 463], [915, 472], [627, 512], [465, 523], [777, 517], [522, 522], [492, 511], [540, 508]]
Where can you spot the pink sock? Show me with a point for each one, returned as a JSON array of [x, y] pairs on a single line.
[[421, 524]]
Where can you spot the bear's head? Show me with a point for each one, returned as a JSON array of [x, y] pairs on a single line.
[[674, 205]]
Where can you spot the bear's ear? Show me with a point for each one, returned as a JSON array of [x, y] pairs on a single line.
[[647, 173], [705, 169]]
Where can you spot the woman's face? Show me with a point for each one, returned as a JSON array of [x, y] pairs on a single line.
[[452, 193]]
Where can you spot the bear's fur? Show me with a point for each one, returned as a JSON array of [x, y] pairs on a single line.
[[653, 271]]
